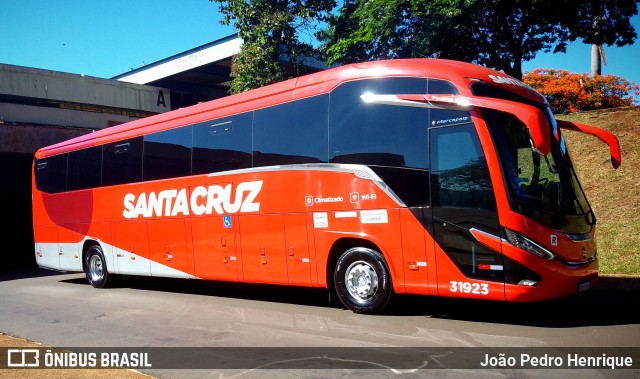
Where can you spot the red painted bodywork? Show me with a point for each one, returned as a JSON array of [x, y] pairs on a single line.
[[285, 241]]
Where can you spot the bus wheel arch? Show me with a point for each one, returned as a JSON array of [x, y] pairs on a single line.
[[94, 265], [358, 273]]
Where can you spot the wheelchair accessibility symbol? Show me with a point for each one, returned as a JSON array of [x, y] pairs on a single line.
[[226, 220]]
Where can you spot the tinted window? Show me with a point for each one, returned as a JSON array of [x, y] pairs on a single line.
[[290, 133], [460, 173], [442, 87], [462, 198], [411, 185], [84, 168], [222, 144], [122, 162], [378, 134], [488, 90], [391, 139], [51, 174], [167, 154]]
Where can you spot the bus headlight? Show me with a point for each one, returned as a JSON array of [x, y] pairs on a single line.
[[524, 243]]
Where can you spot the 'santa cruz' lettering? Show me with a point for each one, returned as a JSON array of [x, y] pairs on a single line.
[[203, 200], [508, 80]]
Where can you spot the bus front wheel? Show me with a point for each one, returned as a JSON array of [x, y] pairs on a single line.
[[96, 268], [362, 280]]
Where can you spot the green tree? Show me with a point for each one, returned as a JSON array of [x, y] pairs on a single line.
[[602, 22], [270, 30], [364, 30], [500, 34]]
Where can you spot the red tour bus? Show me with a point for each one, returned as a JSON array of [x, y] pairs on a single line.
[[416, 176]]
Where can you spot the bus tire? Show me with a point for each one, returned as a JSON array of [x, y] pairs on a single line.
[[96, 268], [362, 280]]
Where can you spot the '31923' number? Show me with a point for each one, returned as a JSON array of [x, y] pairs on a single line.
[[466, 287]]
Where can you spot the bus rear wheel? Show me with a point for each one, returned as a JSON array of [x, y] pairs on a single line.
[[96, 268], [362, 280]]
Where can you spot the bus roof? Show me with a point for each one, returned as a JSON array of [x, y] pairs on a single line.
[[461, 74]]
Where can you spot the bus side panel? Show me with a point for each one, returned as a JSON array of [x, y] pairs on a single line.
[[297, 249], [168, 248], [69, 247], [262, 242], [46, 237], [131, 248], [73, 209], [214, 248], [414, 254], [314, 254], [378, 226], [453, 283]]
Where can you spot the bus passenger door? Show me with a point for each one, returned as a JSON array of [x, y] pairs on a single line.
[[168, 248], [463, 201], [214, 247], [264, 257]]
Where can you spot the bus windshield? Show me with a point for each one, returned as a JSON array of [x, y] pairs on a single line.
[[542, 187]]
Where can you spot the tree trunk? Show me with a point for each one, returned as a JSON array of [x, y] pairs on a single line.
[[596, 60], [516, 70]]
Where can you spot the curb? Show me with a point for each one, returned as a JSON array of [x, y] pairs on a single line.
[[617, 283]]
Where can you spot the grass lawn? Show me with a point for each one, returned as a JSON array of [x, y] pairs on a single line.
[[613, 194]]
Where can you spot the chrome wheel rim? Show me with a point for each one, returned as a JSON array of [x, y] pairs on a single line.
[[361, 280], [96, 269]]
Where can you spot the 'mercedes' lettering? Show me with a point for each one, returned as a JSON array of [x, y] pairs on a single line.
[[221, 199]]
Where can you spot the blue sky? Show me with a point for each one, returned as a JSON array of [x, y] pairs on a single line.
[[107, 38]]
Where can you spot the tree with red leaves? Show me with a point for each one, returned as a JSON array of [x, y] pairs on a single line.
[[569, 92]]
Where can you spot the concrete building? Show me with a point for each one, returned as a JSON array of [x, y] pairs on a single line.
[[42, 107], [36, 104], [196, 75], [202, 73]]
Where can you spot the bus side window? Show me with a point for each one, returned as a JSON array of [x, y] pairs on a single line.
[[223, 144], [122, 162], [167, 154], [391, 140], [122, 148], [291, 133], [51, 174], [461, 186], [84, 169]]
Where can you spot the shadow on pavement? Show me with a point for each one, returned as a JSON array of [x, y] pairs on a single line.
[[24, 270], [255, 292], [591, 308]]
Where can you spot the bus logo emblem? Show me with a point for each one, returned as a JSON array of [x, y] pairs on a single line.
[[554, 240], [308, 201], [23, 358]]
